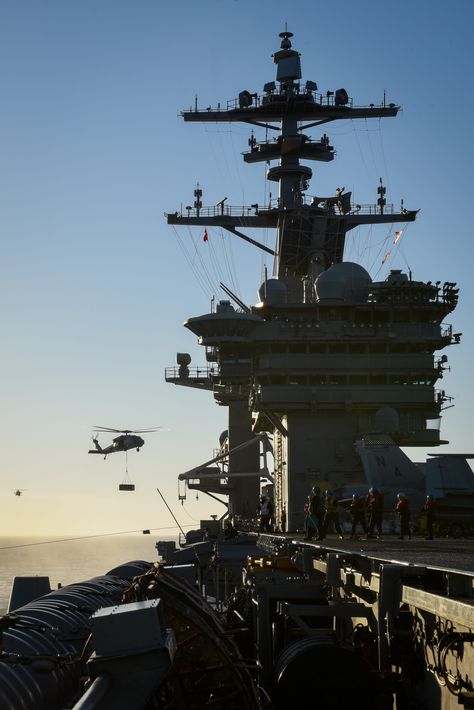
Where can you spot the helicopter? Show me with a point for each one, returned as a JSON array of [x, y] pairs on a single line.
[[127, 440], [19, 491]]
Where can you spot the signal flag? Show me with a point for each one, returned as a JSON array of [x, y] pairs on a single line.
[[397, 237]]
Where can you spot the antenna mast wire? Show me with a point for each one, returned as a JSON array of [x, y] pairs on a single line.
[[173, 515]]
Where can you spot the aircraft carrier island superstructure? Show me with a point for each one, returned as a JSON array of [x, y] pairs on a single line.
[[329, 362]]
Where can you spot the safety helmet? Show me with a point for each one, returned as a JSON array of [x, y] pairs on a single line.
[[401, 495], [430, 496], [329, 492], [373, 489]]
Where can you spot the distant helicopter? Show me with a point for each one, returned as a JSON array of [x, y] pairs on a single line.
[[127, 440], [19, 491]]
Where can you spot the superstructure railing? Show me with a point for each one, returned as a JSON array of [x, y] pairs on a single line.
[[320, 99], [251, 210]]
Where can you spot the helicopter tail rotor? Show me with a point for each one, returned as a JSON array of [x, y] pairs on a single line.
[[98, 448]]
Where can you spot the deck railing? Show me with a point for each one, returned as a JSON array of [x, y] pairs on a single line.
[[254, 210], [327, 99], [190, 373]]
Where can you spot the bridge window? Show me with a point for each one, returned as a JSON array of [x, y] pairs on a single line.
[[317, 379], [337, 379], [382, 317], [357, 379], [377, 379], [357, 347], [297, 380], [400, 316], [317, 347], [362, 317]]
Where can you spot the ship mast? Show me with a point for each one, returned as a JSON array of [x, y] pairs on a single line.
[[310, 234]]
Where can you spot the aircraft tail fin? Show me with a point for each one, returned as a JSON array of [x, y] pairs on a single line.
[[98, 448], [389, 468]]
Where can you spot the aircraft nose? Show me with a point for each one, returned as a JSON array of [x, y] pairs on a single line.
[[140, 441]]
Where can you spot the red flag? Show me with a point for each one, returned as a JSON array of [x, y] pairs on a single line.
[[205, 237]]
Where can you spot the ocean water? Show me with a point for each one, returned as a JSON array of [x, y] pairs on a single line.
[[67, 560]]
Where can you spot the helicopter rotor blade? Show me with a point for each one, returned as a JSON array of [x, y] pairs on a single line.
[[106, 428], [126, 431], [144, 431]]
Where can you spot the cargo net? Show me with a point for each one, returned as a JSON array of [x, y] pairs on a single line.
[[126, 484]]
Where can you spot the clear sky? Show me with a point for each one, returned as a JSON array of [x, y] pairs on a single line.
[[95, 286]]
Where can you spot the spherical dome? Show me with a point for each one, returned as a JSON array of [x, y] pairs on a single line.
[[272, 292], [345, 281]]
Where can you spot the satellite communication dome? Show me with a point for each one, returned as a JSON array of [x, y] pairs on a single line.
[[272, 292], [345, 281]]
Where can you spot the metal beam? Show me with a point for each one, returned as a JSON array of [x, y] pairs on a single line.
[[356, 219], [458, 611], [278, 110], [232, 230]]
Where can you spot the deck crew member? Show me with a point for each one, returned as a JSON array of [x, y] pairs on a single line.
[[306, 514], [266, 514], [315, 517], [429, 508], [357, 513], [374, 502], [283, 519], [331, 514], [403, 509]]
